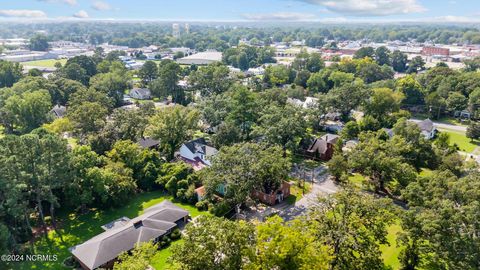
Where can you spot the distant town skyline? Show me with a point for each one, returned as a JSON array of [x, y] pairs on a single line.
[[326, 11]]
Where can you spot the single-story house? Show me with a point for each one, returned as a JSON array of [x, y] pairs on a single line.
[[197, 153], [319, 148], [122, 235], [59, 111], [140, 93]]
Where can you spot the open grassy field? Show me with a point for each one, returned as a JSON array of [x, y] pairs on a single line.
[[459, 138], [45, 63], [76, 229]]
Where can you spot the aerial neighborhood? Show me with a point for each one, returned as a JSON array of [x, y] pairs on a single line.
[[134, 140]]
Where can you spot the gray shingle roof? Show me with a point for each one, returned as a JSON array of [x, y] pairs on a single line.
[[148, 142], [426, 125], [200, 146], [155, 222]]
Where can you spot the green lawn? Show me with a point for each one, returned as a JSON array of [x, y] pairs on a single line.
[[76, 229], [390, 252], [159, 261], [296, 192], [459, 138], [45, 63]]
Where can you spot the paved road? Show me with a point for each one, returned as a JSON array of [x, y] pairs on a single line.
[[445, 126]]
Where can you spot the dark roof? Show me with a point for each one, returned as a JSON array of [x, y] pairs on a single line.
[[200, 146], [155, 222], [148, 142]]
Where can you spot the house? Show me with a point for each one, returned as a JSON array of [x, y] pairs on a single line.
[[427, 129], [59, 111], [123, 234], [221, 190], [197, 153], [276, 196], [148, 143], [319, 148], [200, 193], [140, 93]]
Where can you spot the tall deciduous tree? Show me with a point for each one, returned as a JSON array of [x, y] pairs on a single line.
[[212, 79], [166, 85], [442, 225], [10, 73], [172, 126], [290, 245], [213, 243], [148, 72], [282, 126], [242, 168], [353, 225]]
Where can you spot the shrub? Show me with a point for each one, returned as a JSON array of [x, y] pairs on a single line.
[[202, 205], [175, 235]]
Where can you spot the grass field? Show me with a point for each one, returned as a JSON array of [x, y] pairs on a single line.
[[44, 63], [463, 143], [76, 229], [391, 252]]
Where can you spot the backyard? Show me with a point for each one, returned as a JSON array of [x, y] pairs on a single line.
[[76, 229]]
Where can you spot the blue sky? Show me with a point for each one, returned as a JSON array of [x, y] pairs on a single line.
[[246, 10]]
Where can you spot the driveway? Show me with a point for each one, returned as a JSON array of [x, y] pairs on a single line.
[[322, 186]]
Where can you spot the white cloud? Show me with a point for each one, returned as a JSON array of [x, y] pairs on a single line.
[[22, 13], [279, 16], [68, 2], [100, 5], [82, 14], [363, 8]]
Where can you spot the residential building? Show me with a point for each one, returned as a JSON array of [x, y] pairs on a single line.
[[123, 234], [274, 197], [140, 93], [197, 153], [59, 111], [427, 128], [319, 148]]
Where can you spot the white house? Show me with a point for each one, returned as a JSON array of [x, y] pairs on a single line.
[[197, 151], [140, 93], [427, 129]]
